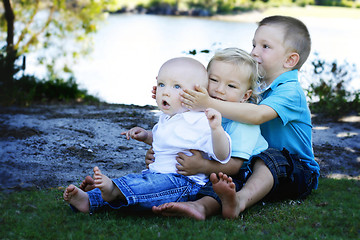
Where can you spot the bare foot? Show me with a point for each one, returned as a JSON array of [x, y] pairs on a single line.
[[88, 184], [226, 190], [181, 209], [77, 198], [109, 190]]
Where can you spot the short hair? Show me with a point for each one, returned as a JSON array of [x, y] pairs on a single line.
[[240, 58], [296, 37]]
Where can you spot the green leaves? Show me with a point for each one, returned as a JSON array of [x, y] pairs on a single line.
[[49, 24], [329, 92]]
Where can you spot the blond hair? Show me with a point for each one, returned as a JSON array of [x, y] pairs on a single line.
[[296, 35], [240, 58]]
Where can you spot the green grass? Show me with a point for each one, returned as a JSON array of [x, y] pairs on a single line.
[[331, 212]]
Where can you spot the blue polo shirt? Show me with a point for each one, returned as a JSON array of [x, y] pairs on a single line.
[[246, 140], [292, 129]]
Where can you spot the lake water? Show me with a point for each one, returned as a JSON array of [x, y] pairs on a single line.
[[129, 49]]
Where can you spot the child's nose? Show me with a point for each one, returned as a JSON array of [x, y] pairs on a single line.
[[220, 89], [254, 52], [166, 91]]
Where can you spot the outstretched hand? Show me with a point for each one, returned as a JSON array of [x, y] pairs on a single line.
[[196, 100], [136, 133]]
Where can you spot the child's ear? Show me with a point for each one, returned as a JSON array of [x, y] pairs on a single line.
[[292, 60], [247, 95]]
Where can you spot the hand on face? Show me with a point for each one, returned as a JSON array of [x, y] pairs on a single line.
[[195, 100]]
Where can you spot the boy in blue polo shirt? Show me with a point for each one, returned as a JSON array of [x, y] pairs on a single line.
[[287, 169]]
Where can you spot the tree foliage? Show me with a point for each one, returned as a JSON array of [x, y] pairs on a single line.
[[29, 25], [58, 31]]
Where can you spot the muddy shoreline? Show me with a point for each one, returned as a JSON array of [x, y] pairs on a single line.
[[45, 146]]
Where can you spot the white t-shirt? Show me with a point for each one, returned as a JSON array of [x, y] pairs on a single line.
[[179, 133]]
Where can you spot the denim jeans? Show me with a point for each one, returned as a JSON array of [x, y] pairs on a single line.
[[147, 189]]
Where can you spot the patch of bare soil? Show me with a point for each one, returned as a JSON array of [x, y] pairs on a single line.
[[53, 146], [337, 146]]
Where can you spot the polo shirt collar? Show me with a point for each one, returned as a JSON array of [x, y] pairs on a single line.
[[289, 76]]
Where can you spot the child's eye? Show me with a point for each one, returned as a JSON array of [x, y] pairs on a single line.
[[266, 46], [177, 86], [231, 86], [214, 80], [161, 85]]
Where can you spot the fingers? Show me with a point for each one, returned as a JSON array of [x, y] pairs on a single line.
[[209, 113], [186, 100], [149, 157], [188, 95], [194, 152], [179, 165], [212, 112], [180, 169], [126, 134], [200, 89], [187, 106], [181, 155], [184, 173], [153, 91], [148, 162], [189, 92], [133, 133]]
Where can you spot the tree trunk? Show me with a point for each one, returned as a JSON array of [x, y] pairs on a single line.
[[10, 58], [10, 18]]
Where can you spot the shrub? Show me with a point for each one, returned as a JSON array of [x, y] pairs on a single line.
[[27, 89], [329, 94]]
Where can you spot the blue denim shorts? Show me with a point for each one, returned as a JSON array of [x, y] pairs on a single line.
[[147, 189], [292, 177]]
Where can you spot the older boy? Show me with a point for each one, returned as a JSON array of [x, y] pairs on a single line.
[[287, 169]]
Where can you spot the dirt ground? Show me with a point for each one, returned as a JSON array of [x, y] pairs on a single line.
[[52, 146]]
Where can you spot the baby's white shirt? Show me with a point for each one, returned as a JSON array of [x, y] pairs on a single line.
[[180, 133]]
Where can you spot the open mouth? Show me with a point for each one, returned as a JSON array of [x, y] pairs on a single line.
[[165, 103]]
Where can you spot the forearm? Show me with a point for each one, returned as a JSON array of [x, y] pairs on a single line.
[[230, 168], [243, 112], [221, 143]]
